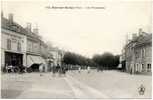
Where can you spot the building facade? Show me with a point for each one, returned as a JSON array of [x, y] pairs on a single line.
[[32, 47], [57, 56], [138, 53], [13, 43], [21, 46]]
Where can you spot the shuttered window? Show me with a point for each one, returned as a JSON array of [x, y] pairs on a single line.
[[8, 44]]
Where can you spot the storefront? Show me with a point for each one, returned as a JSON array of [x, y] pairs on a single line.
[[14, 59], [34, 62]]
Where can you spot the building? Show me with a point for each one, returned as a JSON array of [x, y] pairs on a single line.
[[122, 60], [13, 42], [57, 56], [44, 51], [21, 46], [33, 48], [138, 53], [121, 65]]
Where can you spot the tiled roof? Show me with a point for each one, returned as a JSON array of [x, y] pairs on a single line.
[[144, 39]]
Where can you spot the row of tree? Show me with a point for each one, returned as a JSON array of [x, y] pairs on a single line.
[[76, 59], [105, 60]]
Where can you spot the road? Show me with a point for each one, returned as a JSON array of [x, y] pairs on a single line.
[[73, 85]]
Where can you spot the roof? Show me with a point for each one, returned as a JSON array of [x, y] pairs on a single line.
[[5, 24], [144, 39]]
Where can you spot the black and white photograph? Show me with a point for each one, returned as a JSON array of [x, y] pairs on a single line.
[[76, 49]]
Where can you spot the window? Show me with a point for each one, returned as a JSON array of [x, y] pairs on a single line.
[[137, 67], [149, 67], [143, 68], [8, 44], [136, 54], [19, 46], [143, 52]]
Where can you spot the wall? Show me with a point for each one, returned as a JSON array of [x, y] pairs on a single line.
[[15, 38], [33, 46]]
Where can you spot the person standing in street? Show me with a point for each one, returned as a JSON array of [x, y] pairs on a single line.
[[79, 69], [88, 69], [41, 69], [53, 70]]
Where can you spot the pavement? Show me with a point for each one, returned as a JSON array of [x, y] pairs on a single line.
[[115, 84], [93, 85]]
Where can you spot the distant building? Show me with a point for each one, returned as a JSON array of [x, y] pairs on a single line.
[[57, 56], [138, 53], [122, 60], [121, 65]]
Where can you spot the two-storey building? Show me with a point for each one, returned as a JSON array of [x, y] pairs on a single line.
[[138, 53], [143, 53], [34, 48]]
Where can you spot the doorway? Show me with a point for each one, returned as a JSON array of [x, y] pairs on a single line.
[[14, 59]]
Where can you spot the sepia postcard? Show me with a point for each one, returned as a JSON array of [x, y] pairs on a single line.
[[76, 49]]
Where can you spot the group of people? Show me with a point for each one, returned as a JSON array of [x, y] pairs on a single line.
[[14, 69], [59, 69], [88, 69]]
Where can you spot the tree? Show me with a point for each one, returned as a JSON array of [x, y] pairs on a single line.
[[76, 59], [116, 60], [106, 60]]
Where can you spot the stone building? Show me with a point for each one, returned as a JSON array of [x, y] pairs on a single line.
[[21, 46], [138, 53], [13, 42], [57, 56], [44, 51], [33, 48]]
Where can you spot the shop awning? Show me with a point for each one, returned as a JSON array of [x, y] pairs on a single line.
[[42, 60], [31, 59]]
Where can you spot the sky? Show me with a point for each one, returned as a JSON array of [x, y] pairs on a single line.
[[83, 31]]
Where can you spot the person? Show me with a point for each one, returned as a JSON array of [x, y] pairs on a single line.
[[64, 71], [41, 68], [20, 69], [58, 68], [79, 69], [9, 68], [88, 69], [54, 70]]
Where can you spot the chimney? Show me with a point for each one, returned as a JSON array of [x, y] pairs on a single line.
[[2, 14], [28, 28], [140, 31], [134, 36], [11, 18], [35, 30]]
